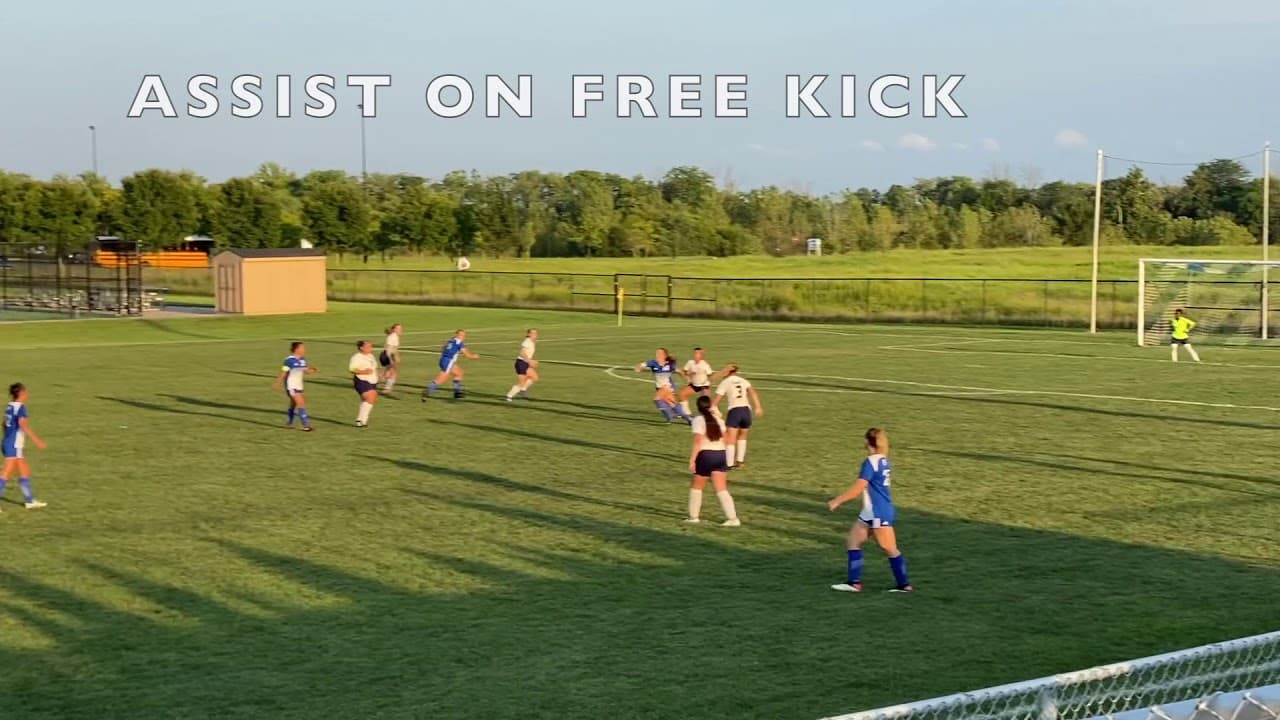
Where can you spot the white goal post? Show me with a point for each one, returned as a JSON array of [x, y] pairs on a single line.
[[1229, 300]]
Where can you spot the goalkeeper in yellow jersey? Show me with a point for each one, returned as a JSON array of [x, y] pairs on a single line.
[[1181, 327]]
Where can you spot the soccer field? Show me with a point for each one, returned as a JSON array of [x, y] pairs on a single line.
[[1065, 500]]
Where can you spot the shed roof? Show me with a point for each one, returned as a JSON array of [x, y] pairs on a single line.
[[251, 253]]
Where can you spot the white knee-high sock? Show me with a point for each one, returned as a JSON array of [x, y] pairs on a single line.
[[365, 409], [684, 405], [726, 504], [514, 389], [729, 456], [695, 504], [1174, 350], [742, 451], [1192, 352], [390, 383]]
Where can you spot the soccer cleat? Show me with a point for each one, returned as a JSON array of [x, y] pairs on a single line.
[[509, 398], [902, 589], [35, 505], [306, 428], [731, 522], [524, 395], [848, 587], [692, 521], [360, 424]]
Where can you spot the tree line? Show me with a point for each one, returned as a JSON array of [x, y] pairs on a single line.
[[587, 213]]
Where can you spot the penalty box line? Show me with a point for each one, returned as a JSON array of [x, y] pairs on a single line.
[[951, 389]]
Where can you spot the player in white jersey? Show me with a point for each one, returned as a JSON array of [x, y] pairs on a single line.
[[16, 431], [526, 366], [741, 397], [364, 373], [708, 461], [699, 375], [389, 359], [292, 371]]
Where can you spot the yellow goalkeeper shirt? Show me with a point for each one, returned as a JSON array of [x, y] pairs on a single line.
[[1182, 328]]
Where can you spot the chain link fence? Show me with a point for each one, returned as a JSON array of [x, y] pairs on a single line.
[[1195, 678]]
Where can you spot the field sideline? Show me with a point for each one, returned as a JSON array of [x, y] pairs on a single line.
[[1066, 500]]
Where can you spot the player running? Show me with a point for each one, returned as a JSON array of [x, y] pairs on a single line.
[[699, 374], [707, 461], [741, 398], [664, 367], [16, 432], [1181, 327], [526, 367], [364, 374], [294, 368], [449, 367], [389, 359], [877, 516]]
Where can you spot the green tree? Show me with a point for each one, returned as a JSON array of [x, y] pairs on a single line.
[[159, 208], [336, 216], [249, 215], [64, 213], [1214, 188]]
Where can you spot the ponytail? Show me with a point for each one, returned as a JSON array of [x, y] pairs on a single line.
[[878, 440], [713, 423]]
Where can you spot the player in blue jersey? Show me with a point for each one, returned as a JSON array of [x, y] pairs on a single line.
[[877, 516], [294, 368], [16, 432], [449, 367], [664, 369]]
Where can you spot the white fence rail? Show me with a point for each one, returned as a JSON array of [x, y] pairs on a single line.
[[1194, 675]]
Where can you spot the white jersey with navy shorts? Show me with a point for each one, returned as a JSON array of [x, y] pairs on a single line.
[[527, 348], [712, 456], [699, 372], [364, 370], [735, 388], [295, 368], [14, 438], [877, 501], [390, 350]]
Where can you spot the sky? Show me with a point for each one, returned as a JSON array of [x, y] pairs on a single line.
[[1046, 84]]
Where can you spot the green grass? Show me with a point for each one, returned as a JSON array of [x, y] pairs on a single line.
[[1016, 287], [478, 559]]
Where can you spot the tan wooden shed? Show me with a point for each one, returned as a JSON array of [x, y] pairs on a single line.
[[270, 281]]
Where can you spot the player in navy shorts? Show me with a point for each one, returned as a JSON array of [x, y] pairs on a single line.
[[708, 461]]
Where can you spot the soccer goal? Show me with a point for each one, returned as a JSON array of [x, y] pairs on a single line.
[[1228, 299]]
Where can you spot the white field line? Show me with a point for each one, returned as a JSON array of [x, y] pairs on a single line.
[[935, 348], [950, 390]]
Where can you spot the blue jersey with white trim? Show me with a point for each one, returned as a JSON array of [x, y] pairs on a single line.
[[662, 373], [296, 367], [451, 350], [14, 438], [877, 500]]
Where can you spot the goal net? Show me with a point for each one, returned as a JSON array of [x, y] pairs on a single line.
[[1229, 300]]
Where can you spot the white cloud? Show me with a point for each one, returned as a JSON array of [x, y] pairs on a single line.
[[959, 146], [990, 145], [869, 146], [769, 150], [1070, 139], [914, 141]]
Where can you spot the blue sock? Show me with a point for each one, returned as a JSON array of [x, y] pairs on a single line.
[[306, 419], [25, 484], [290, 415], [664, 408], [3, 483], [899, 565], [855, 567], [680, 411], [457, 386], [432, 387]]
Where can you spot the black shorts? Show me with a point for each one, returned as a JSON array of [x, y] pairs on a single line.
[[698, 388], [1176, 341], [739, 418], [522, 366], [710, 461], [364, 386], [384, 359]]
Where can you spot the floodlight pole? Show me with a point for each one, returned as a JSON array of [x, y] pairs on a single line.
[[1266, 239], [93, 145], [364, 166], [1097, 231]]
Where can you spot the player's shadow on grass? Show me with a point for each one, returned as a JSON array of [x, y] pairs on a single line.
[[168, 326], [156, 407], [543, 437], [506, 484], [572, 616], [997, 399]]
